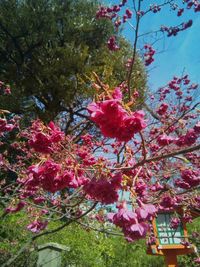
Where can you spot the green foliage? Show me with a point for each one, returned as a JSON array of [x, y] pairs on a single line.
[[185, 261], [94, 249], [48, 51], [87, 248], [13, 235]]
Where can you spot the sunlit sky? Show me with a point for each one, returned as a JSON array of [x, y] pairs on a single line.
[[174, 54]]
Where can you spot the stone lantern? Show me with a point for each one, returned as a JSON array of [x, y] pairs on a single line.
[[49, 254]]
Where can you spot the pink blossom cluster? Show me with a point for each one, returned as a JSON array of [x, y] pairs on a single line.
[[189, 138], [87, 139], [114, 121], [85, 155], [194, 158], [111, 13], [104, 189], [43, 141], [187, 217], [163, 109], [176, 82], [148, 55], [5, 126], [189, 178], [37, 225], [128, 15], [12, 209], [155, 8], [165, 140], [197, 260], [175, 222], [176, 85], [107, 12], [50, 177], [180, 12], [173, 31], [112, 45], [193, 3], [133, 223], [168, 203], [141, 188]]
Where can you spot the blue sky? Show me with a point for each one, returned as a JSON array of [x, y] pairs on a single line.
[[175, 54]]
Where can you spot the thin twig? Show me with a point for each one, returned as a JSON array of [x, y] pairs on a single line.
[[134, 49]]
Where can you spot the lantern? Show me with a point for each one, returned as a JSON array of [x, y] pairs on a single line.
[[169, 241]]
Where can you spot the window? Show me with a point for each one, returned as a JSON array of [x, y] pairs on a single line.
[[166, 234]]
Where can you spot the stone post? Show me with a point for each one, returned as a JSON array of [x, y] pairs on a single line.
[[49, 255]]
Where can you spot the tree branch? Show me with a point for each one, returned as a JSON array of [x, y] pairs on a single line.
[[134, 49], [160, 157]]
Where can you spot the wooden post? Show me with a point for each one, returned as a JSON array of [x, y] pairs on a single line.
[[171, 260]]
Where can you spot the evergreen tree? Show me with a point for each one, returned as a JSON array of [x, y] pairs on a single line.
[[48, 51]]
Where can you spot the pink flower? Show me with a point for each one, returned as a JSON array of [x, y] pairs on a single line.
[[136, 231], [49, 178], [44, 176], [157, 187], [56, 134], [112, 44], [41, 143], [145, 211], [36, 226], [114, 121], [17, 208], [3, 123], [175, 222], [187, 218], [148, 56], [197, 260], [123, 217], [188, 139], [87, 158], [87, 139], [71, 180], [117, 94], [168, 203], [164, 140], [197, 128], [88, 161], [34, 173], [141, 188], [189, 179], [5, 126], [128, 221], [38, 200], [129, 13], [162, 109], [50, 169], [42, 139], [180, 12], [104, 190]]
